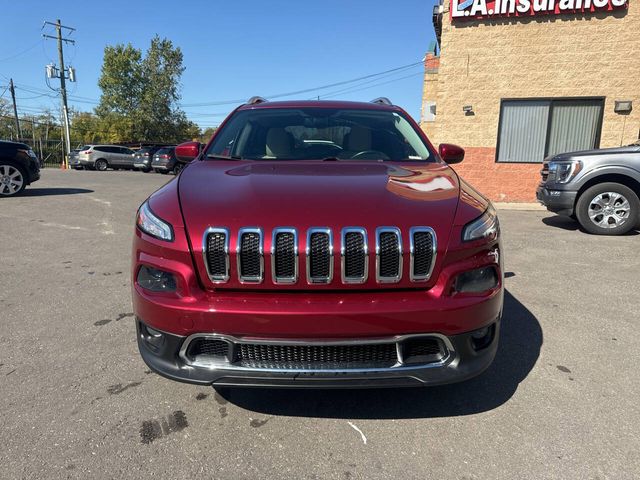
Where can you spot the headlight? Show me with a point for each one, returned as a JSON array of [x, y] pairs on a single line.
[[152, 225], [485, 226], [156, 280], [564, 172], [477, 281]]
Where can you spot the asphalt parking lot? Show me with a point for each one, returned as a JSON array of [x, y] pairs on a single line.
[[77, 401]]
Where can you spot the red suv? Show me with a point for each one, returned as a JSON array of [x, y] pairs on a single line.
[[318, 244]]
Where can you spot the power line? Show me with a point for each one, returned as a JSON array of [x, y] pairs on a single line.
[[307, 90], [22, 52]]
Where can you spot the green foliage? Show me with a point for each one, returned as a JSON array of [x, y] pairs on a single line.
[[140, 96]]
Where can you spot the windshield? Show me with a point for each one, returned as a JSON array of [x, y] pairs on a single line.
[[319, 133]]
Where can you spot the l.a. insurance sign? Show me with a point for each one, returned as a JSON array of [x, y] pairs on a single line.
[[505, 8]]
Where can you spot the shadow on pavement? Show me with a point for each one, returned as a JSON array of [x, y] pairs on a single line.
[[560, 221], [43, 192], [520, 342], [567, 223]]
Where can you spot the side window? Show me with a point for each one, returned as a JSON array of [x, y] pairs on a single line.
[[125, 151], [100, 149]]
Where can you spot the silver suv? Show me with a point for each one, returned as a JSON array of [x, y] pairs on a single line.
[[102, 157]]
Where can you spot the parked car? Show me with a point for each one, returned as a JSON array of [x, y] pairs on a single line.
[[19, 167], [165, 161], [102, 157], [599, 188], [74, 159], [356, 262], [144, 157]]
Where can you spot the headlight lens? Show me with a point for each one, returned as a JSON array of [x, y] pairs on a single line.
[[152, 225], [156, 280], [477, 281], [564, 172], [485, 226]]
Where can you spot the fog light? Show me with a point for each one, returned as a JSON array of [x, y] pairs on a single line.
[[479, 334], [152, 337], [483, 337], [477, 281], [156, 280]]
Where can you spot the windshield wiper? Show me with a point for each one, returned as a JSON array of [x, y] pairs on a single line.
[[330, 159], [223, 157]]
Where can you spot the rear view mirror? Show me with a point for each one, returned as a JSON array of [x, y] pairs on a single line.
[[185, 152], [451, 153]]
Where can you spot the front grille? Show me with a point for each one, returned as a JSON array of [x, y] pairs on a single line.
[[422, 253], [316, 357], [353, 245], [250, 262], [217, 254], [319, 256], [389, 255], [284, 256], [354, 256], [545, 171]]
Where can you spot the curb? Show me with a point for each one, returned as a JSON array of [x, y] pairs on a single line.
[[536, 207]]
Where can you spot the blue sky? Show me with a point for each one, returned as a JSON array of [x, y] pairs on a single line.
[[232, 49]]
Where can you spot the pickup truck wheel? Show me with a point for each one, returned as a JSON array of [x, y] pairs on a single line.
[[101, 164], [608, 209], [12, 180]]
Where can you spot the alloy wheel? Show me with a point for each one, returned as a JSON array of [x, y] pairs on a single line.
[[609, 210], [11, 180]]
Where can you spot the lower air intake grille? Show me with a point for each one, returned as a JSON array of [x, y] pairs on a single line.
[[320, 257], [250, 257], [285, 257], [422, 254], [318, 357], [208, 347], [217, 255], [389, 256]]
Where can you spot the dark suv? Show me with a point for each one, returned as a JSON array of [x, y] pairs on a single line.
[[599, 188], [19, 167]]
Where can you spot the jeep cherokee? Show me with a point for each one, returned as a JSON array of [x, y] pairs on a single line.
[[317, 244]]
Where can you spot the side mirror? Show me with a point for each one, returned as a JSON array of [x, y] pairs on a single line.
[[451, 153], [185, 152]]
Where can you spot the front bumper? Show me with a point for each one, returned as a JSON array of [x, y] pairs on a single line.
[[462, 360], [557, 201], [140, 164]]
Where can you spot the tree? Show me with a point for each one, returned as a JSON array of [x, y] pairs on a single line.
[[140, 94]]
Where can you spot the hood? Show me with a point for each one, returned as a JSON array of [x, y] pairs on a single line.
[[597, 152], [305, 194]]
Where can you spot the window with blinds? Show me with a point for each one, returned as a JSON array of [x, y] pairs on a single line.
[[531, 130]]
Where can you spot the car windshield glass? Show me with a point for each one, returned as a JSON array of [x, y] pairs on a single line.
[[162, 151], [320, 134]]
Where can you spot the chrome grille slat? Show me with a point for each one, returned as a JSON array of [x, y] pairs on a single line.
[[354, 255], [284, 256], [249, 255], [319, 253], [215, 252], [423, 246], [388, 255]]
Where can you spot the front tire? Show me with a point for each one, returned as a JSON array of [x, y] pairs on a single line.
[[177, 168], [101, 165], [608, 209], [12, 180]]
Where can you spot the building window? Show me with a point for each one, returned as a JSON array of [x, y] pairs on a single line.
[[531, 130]]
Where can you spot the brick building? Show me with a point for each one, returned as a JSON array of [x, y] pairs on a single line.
[[518, 80]]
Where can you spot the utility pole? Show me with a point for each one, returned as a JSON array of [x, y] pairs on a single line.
[[15, 108], [63, 89]]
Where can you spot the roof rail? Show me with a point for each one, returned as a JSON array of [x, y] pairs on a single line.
[[255, 100], [382, 101]]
